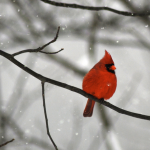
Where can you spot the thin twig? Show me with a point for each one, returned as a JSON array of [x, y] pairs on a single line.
[[124, 13], [7, 143], [71, 88], [52, 52], [39, 49], [46, 119]]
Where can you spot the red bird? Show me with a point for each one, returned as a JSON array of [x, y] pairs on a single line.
[[100, 82]]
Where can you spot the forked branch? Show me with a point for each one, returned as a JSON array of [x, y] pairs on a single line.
[[71, 88], [39, 49]]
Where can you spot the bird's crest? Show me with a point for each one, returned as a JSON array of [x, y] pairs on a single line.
[[107, 59]]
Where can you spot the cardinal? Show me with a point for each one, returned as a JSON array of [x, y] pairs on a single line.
[[100, 82]]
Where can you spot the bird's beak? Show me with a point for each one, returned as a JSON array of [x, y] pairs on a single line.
[[112, 67]]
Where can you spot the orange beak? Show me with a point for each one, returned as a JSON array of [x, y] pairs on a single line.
[[112, 67]]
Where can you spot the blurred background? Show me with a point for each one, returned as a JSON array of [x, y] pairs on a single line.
[[84, 35]]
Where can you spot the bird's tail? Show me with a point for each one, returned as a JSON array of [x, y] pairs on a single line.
[[88, 111]]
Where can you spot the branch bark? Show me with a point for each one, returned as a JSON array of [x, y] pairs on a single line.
[[71, 88], [124, 13], [7, 143], [39, 49], [46, 118]]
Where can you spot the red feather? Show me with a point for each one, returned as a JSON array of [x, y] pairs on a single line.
[[100, 82]]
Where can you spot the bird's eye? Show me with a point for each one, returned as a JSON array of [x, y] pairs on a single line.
[[110, 68], [109, 65]]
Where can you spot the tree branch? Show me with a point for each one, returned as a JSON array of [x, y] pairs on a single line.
[[124, 13], [52, 52], [7, 143], [39, 49], [71, 88], [46, 119]]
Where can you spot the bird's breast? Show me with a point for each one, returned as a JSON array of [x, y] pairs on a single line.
[[100, 84]]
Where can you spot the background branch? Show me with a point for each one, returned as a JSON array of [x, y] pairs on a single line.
[[124, 13], [7, 143], [46, 118]]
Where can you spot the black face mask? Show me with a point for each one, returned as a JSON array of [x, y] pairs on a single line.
[[108, 68]]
